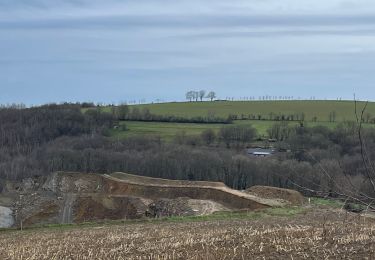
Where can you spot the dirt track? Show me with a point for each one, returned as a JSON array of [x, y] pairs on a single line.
[[143, 186]]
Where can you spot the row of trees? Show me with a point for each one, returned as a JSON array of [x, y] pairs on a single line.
[[271, 117], [199, 95], [231, 136], [124, 112], [274, 116]]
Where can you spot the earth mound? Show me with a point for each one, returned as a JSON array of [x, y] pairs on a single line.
[[291, 197], [68, 197], [183, 207]]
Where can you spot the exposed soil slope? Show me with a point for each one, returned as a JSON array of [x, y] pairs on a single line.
[[141, 186], [76, 197], [283, 195]]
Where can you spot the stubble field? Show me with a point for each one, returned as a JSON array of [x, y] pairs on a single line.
[[317, 233]]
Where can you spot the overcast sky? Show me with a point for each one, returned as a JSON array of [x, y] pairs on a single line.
[[112, 50]]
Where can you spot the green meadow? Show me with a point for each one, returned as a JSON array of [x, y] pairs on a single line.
[[168, 131], [344, 111]]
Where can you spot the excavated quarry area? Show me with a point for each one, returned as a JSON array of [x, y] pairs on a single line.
[[78, 197]]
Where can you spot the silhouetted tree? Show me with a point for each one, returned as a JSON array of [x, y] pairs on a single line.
[[189, 95], [211, 95], [202, 93]]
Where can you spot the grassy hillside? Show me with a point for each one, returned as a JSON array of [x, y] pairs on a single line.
[[321, 109], [344, 110]]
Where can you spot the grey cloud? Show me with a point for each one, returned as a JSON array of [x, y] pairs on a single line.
[[43, 4], [17, 62], [121, 22], [281, 32]]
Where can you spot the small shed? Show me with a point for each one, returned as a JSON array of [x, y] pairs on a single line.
[[260, 152]]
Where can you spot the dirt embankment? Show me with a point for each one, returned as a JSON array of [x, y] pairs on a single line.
[[287, 196], [86, 197], [77, 197], [98, 207], [202, 191], [130, 178]]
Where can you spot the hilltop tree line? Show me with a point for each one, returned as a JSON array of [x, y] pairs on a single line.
[[200, 95]]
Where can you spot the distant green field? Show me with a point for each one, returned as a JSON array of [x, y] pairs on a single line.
[[344, 110], [165, 130], [168, 131], [320, 109]]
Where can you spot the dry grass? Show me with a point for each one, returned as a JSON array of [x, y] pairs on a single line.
[[317, 234]]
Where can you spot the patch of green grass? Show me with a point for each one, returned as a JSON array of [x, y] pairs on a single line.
[[222, 215], [225, 215], [285, 211], [327, 202], [165, 130], [168, 131]]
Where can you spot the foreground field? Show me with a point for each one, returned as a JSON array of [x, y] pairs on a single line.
[[313, 233]]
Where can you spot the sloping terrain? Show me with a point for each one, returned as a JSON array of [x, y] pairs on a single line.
[[310, 108], [77, 197], [283, 195], [121, 183]]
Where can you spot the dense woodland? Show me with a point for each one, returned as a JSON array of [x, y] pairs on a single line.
[[38, 141]]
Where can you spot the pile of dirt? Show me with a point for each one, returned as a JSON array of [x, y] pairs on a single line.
[[98, 207], [220, 193], [205, 207], [45, 213], [183, 207], [287, 196], [170, 207], [36, 208]]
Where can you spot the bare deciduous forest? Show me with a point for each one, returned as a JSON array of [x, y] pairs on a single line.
[[316, 161]]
